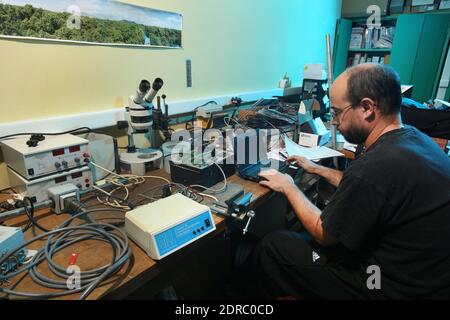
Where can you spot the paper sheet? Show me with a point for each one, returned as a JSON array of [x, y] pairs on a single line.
[[317, 153]]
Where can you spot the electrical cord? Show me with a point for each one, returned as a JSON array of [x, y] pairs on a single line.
[[30, 214], [169, 189], [234, 120], [116, 180], [62, 237], [196, 108], [82, 129], [209, 196]]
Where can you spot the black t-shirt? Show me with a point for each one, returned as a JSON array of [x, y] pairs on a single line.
[[392, 210]]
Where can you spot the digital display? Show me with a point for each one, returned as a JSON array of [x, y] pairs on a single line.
[[61, 179], [74, 149], [58, 152], [77, 175]]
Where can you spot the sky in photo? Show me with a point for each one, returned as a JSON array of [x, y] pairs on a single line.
[[107, 9]]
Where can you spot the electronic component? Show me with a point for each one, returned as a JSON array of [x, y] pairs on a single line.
[[11, 238], [36, 189], [197, 170], [60, 193], [167, 225], [52, 155]]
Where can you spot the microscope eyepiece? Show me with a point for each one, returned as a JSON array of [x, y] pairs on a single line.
[[144, 86], [157, 84]]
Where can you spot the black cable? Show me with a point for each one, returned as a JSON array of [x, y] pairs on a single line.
[[82, 129], [30, 214]]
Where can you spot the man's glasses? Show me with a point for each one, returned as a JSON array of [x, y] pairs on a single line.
[[336, 113]]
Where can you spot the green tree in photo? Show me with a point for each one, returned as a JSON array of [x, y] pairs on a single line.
[[28, 21]]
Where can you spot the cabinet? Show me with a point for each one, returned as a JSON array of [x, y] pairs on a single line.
[[355, 43], [418, 50]]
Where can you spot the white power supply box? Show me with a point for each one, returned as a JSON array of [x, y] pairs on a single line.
[[36, 189], [52, 155], [167, 225]]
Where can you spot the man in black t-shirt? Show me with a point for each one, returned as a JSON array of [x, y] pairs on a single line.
[[386, 232]]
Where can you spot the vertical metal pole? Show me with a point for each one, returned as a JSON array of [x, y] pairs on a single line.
[[330, 82]]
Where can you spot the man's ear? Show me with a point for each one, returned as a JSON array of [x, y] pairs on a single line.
[[368, 106]]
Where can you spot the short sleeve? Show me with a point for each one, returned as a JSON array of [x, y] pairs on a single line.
[[354, 213]]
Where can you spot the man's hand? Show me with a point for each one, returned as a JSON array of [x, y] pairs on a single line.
[[276, 181], [304, 163]]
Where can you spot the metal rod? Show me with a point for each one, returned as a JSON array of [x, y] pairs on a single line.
[[330, 83]]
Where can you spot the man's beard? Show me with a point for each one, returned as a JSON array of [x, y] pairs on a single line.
[[355, 135]]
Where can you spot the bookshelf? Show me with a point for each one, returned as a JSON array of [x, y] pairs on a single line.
[[370, 44], [419, 42]]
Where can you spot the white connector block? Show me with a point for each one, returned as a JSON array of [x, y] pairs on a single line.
[[60, 193]]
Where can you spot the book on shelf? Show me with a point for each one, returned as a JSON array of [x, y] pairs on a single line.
[[372, 38], [356, 38], [386, 38], [356, 59], [363, 59], [359, 58]]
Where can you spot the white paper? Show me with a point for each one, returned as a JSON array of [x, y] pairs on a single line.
[[275, 154], [308, 140], [316, 153], [302, 109]]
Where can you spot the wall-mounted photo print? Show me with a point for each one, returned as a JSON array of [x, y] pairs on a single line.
[[102, 22]]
